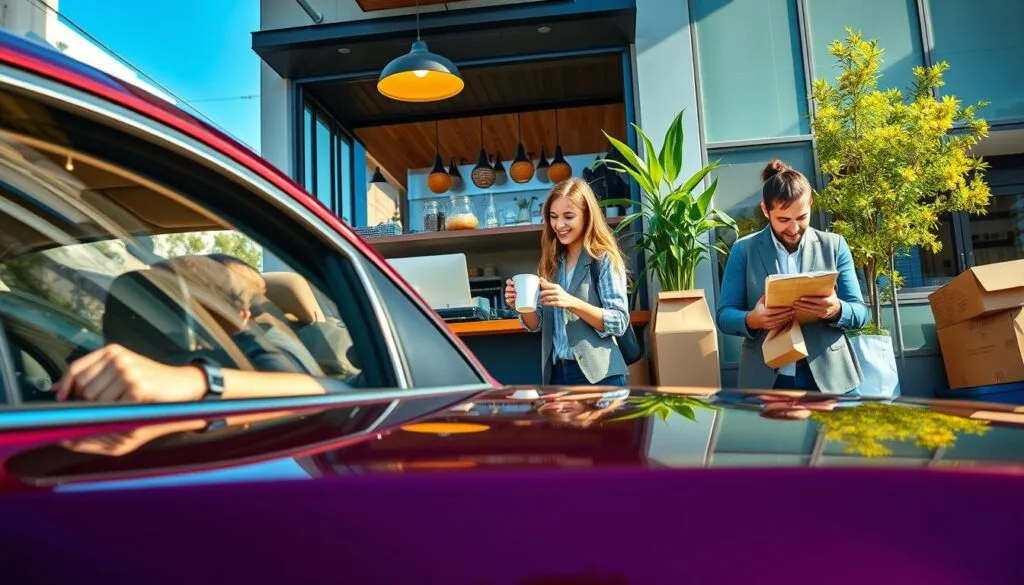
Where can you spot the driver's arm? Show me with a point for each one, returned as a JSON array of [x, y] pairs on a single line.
[[117, 374]]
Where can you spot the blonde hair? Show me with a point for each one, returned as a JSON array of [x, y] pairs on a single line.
[[598, 239]]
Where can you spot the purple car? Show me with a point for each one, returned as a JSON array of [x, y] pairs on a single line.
[[124, 221]]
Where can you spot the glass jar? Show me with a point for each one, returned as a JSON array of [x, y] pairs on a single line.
[[460, 214], [433, 217]]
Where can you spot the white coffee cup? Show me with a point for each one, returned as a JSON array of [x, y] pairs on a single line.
[[527, 289]]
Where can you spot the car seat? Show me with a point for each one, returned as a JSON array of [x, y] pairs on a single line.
[[326, 338]]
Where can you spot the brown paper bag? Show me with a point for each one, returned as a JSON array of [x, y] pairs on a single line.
[[784, 345]]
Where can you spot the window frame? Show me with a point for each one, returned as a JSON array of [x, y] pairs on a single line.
[[342, 168], [282, 211]]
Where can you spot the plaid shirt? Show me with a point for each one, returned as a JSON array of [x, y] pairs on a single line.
[[615, 306]]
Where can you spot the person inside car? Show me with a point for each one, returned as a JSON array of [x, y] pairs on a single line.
[[131, 366], [265, 316]]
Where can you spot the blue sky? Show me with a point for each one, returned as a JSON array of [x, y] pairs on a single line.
[[199, 49]]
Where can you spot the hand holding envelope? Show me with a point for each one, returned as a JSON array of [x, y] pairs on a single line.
[[812, 296]]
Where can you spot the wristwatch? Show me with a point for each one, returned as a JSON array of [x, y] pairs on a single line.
[[214, 377]]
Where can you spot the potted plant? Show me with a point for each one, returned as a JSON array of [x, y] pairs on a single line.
[[893, 164], [680, 225]]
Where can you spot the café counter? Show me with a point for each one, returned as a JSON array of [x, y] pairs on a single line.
[[511, 353]]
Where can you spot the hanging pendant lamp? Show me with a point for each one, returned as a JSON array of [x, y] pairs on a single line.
[[378, 177], [483, 173], [453, 172], [521, 170], [438, 180], [560, 168], [500, 176], [419, 75], [542, 166]]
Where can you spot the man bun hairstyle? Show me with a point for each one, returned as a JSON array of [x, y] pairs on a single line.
[[782, 185]]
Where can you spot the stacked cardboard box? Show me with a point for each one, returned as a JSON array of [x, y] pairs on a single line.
[[979, 316]]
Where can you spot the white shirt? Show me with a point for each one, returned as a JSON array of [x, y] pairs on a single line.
[[787, 263]]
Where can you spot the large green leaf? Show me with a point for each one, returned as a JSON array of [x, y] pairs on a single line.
[[704, 201], [653, 165], [698, 177], [671, 155]]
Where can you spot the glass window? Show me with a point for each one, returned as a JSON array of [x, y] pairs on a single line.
[[91, 256], [982, 43], [921, 268], [345, 174], [751, 69], [998, 236], [307, 152], [894, 23], [324, 186]]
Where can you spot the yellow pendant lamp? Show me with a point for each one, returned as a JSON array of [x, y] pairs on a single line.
[[560, 168], [419, 75], [521, 169]]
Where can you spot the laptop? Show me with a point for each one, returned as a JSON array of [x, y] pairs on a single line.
[[443, 282]]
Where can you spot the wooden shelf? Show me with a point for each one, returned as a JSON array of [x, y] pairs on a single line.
[[516, 237], [511, 326]]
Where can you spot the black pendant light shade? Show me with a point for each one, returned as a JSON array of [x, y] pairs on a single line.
[[483, 174], [438, 181], [453, 171], [378, 177], [521, 169], [500, 176], [542, 166], [560, 169]]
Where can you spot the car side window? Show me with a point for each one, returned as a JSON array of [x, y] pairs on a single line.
[[98, 250]]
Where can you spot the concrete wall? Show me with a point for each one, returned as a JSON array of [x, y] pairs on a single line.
[[25, 17], [665, 84]]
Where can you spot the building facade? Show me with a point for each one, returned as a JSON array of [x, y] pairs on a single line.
[[741, 70]]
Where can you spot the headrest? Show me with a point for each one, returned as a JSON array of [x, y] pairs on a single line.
[[294, 296], [145, 313]]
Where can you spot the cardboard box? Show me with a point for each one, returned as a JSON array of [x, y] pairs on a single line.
[[684, 341], [981, 290], [640, 373], [985, 350], [784, 346]]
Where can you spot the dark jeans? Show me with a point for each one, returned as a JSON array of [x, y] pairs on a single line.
[[568, 373], [803, 380]]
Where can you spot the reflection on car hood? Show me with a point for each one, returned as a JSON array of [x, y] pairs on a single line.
[[516, 428]]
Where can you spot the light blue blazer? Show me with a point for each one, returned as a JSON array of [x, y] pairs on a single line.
[[830, 355]]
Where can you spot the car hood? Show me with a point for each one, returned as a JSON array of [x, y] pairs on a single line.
[[521, 427]]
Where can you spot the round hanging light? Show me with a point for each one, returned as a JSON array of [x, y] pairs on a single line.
[[560, 168], [438, 180], [483, 173], [521, 169], [419, 75]]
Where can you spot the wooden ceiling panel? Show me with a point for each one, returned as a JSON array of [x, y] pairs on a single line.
[[373, 5], [505, 87], [401, 147]]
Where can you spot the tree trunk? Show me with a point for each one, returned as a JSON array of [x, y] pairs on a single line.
[[874, 298]]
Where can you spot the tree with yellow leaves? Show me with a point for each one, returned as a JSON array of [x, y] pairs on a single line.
[[894, 161]]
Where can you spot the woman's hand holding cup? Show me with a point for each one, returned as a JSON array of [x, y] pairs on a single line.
[[510, 293]]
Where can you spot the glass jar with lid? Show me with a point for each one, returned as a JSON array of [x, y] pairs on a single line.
[[433, 217], [461, 215]]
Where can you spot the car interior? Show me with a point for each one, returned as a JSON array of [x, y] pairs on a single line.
[[84, 250]]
